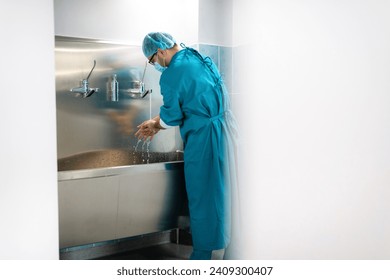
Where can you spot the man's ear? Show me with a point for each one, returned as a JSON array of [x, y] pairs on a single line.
[[163, 53]]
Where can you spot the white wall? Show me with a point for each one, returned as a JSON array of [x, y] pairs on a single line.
[[317, 129], [28, 184], [127, 21], [215, 22]]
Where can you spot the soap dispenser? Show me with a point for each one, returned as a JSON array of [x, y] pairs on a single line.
[[113, 89]]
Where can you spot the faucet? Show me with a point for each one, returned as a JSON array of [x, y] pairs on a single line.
[[84, 89], [138, 88]]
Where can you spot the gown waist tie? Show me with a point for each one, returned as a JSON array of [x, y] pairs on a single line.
[[211, 119], [217, 117]]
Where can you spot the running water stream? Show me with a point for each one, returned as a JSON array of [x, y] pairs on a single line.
[[135, 151], [147, 142]]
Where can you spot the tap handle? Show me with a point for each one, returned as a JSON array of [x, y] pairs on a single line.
[[88, 94], [94, 64], [146, 93]]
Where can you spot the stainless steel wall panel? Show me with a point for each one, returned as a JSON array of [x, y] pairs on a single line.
[[87, 210], [94, 123], [149, 202]]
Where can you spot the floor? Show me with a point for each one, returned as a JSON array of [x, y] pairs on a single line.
[[170, 251]]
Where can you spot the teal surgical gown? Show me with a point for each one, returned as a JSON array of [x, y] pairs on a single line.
[[194, 98]]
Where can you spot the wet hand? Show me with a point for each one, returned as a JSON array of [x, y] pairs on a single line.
[[146, 130]]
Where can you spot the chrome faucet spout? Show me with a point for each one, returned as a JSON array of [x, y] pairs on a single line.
[[83, 89]]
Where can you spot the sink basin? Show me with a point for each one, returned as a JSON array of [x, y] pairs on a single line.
[[114, 157]]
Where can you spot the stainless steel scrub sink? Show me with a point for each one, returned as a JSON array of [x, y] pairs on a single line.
[[113, 194]]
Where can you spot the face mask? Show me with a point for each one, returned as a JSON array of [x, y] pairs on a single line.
[[158, 67]]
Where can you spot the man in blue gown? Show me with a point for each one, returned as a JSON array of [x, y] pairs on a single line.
[[195, 98]]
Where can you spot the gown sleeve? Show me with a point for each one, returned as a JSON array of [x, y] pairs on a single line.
[[170, 112]]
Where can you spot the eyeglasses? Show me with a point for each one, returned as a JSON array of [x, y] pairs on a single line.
[[151, 59]]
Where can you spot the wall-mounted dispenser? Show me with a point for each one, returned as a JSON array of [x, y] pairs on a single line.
[[113, 89]]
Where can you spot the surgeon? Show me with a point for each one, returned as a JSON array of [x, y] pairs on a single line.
[[195, 99]]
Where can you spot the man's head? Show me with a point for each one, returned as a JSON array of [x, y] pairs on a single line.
[[157, 40], [159, 47]]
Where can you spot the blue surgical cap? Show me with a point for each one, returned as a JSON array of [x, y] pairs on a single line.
[[157, 40]]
